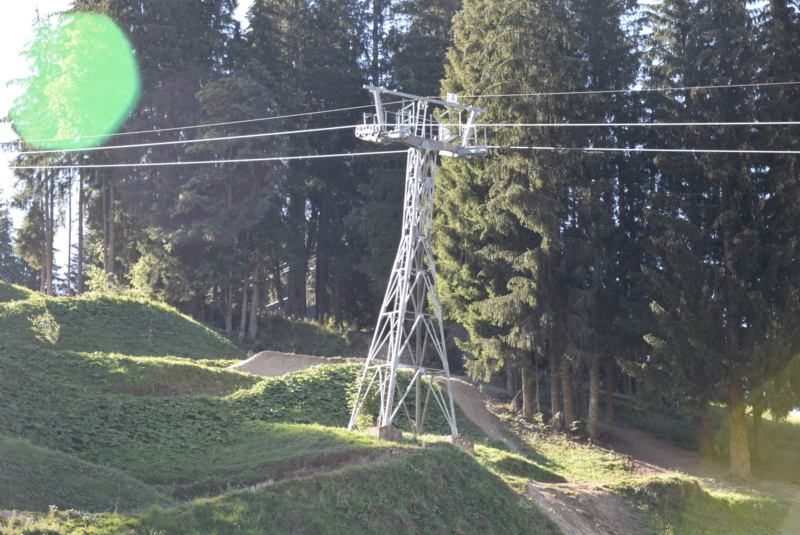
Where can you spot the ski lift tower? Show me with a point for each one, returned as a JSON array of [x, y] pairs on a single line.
[[410, 322]]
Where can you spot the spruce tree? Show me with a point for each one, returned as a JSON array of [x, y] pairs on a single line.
[[418, 46], [499, 233], [180, 46], [526, 238], [313, 53], [610, 56], [10, 264], [723, 274]]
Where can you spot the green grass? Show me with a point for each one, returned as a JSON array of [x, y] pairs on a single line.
[[107, 325], [437, 490], [258, 452], [517, 470], [304, 337], [34, 478], [12, 292], [568, 458], [674, 505]]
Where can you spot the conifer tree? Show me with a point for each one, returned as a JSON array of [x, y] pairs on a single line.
[[180, 46], [313, 53], [525, 238], [12, 269], [499, 234], [609, 52], [724, 284], [418, 47]]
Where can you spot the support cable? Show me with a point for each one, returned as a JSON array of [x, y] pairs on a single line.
[[208, 162], [333, 128], [187, 141], [643, 149], [626, 125], [209, 125], [639, 90]]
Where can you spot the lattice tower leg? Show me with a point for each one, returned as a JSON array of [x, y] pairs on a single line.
[[410, 320]]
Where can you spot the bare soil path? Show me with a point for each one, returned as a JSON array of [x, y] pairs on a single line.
[[584, 509], [274, 364], [472, 403]]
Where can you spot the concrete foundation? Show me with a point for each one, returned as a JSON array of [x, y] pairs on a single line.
[[387, 432]]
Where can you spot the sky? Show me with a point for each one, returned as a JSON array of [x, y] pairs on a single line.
[[16, 29]]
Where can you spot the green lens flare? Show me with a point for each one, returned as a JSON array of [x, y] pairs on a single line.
[[83, 85]]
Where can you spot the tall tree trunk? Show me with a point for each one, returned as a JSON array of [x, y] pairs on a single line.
[[555, 393], [243, 315], [296, 285], [594, 399], [298, 263], [252, 330], [537, 385], [337, 293], [739, 449], [47, 272], [229, 309], [527, 389], [377, 12], [610, 384], [80, 235], [277, 286], [51, 232], [321, 309], [705, 428], [579, 378], [511, 387], [758, 435], [112, 231], [104, 189], [69, 239], [566, 387]]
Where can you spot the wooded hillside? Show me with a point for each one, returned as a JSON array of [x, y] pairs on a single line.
[[669, 252]]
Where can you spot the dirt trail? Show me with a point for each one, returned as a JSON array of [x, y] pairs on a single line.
[[584, 509], [472, 403], [274, 364]]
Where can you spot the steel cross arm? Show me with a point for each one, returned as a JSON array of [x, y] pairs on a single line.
[[376, 90]]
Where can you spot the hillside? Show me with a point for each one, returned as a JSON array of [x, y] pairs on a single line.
[[147, 416], [99, 436], [107, 325]]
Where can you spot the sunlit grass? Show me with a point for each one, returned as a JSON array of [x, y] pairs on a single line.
[[678, 506]]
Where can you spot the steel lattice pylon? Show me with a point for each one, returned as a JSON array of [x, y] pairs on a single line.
[[410, 321]]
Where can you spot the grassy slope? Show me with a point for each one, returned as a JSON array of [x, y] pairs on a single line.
[[672, 505], [135, 416], [666, 506], [108, 325], [118, 394], [435, 490], [71, 483]]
